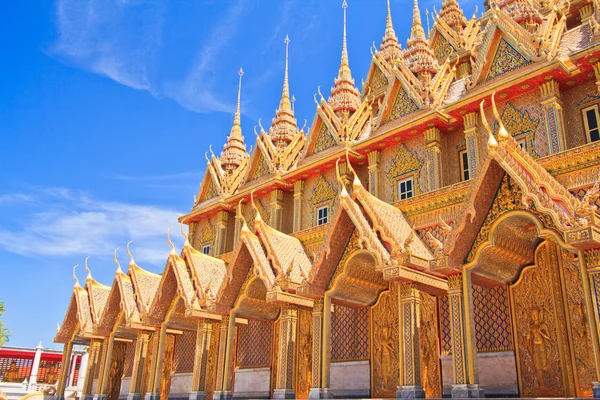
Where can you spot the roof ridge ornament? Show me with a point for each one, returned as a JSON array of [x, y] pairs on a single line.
[[172, 252], [492, 142], [131, 260], [257, 216], [119, 270], [89, 276], [77, 285], [185, 235]]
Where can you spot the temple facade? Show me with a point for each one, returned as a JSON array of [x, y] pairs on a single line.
[[433, 233]]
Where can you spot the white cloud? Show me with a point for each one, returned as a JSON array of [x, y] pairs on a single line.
[[75, 224]]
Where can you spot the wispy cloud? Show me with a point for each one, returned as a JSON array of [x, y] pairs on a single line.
[[70, 223]]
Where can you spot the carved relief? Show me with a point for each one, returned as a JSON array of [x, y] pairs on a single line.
[[322, 194], [213, 353], [304, 357], [262, 168], [404, 163], [324, 139], [115, 373], [506, 59], [403, 105], [167, 367], [442, 48], [540, 328], [430, 352], [385, 352], [521, 125], [378, 82], [274, 355]]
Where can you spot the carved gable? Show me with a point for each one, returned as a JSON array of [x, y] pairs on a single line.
[[260, 166], [322, 194], [506, 59], [403, 105], [324, 140], [404, 163], [520, 124], [441, 48], [377, 83], [208, 190]]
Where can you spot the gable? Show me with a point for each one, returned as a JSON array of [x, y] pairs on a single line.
[[402, 106], [324, 140], [259, 167], [378, 82], [441, 48], [506, 59], [208, 189]]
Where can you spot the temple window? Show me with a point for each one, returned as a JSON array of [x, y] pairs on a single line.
[[464, 165], [406, 188], [590, 119], [206, 249], [322, 215]]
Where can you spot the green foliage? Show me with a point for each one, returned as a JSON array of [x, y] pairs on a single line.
[[4, 331]]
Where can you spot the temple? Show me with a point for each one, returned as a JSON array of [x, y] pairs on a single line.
[[433, 233]]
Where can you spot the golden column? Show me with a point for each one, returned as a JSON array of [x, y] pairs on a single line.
[[199, 375], [221, 234], [104, 380], [464, 362], [64, 371], [276, 212], [590, 270], [101, 366], [139, 363], [286, 356], [374, 173], [471, 140], [94, 351], [158, 356], [321, 351], [225, 362], [597, 73], [298, 197], [553, 114], [433, 158], [409, 304]]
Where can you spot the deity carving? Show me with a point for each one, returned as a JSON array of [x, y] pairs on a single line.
[[51, 375], [385, 367], [538, 335], [304, 380], [12, 374]]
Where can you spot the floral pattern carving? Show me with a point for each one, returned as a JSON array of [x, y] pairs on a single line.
[[442, 48], [322, 194], [405, 162], [506, 59], [324, 139], [379, 81], [403, 105]]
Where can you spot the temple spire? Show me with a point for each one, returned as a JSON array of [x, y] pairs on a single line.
[[285, 104], [390, 49], [452, 15], [419, 55], [417, 31], [235, 150], [345, 97]]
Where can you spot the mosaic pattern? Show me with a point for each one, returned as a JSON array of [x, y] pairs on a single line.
[[404, 163], [520, 124], [211, 192], [445, 331], [129, 360], [262, 167], [378, 82], [254, 344], [584, 95], [324, 140], [491, 313], [322, 194], [442, 48], [403, 105], [349, 334], [506, 59], [185, 350]]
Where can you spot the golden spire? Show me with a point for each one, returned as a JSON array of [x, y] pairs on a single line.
[[390, 49], [284, 126], [452, 15], [119, 270], [235, 149], [419, 56], [345, 97]]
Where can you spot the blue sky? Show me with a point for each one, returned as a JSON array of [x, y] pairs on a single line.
[[108, 106]]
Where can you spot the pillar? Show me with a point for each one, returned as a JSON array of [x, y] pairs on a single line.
[[72, 370], [276, 212], [374, 173], [139, 364], [298, 197], [221, 233], [64, 371], [321, 350], [586, 12], [83, 368], [239, 222], [433, 158], [553, 114], [471, 140], [464, 386], [157, 362], [199, 375], [35, 368], [409, 305], [94, 355], [590, 271], [105, 373], [286, 353], [226, 353]]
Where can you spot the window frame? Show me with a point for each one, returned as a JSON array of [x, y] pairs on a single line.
[[461, 163], [323, 207], [206, 246], [410, 178], [586, 124]]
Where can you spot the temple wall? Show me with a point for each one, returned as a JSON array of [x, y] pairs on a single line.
[[351, 379], [573, 101], [181, 385], [451, 144], [390, 156], [125, 387], [252, 382], [497, 373], [203, 233], [185, 344], [319, 190]]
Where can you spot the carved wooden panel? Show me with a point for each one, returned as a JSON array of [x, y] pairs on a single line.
[[540, 328], [167, 367], [430, 350], [349, 334], [384, 353], [304, 354], [213, 353], [115, 372]]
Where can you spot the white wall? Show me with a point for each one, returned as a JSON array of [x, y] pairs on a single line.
[[253, 382], [352, 378]]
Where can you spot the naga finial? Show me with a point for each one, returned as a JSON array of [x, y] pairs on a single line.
[[185, 235], [119, 270], [131, 260], [343, 191], [89, 276], [502, 132], [355, 182], [257, 216], [75, 276], [169, 240], [492, 142], [238, 209]]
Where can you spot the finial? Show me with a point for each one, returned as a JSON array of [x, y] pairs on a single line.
[[388, 23], [286, 87], [492, 142], [89, 277], [186, 243], [355, 182], [343, 192], [417, 26], [119, 270], [131, 260], [237, 118], [169, 240], [427, 18], [75, 276], [502, 132], [344, 45], [238, 209], [257, 216]]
